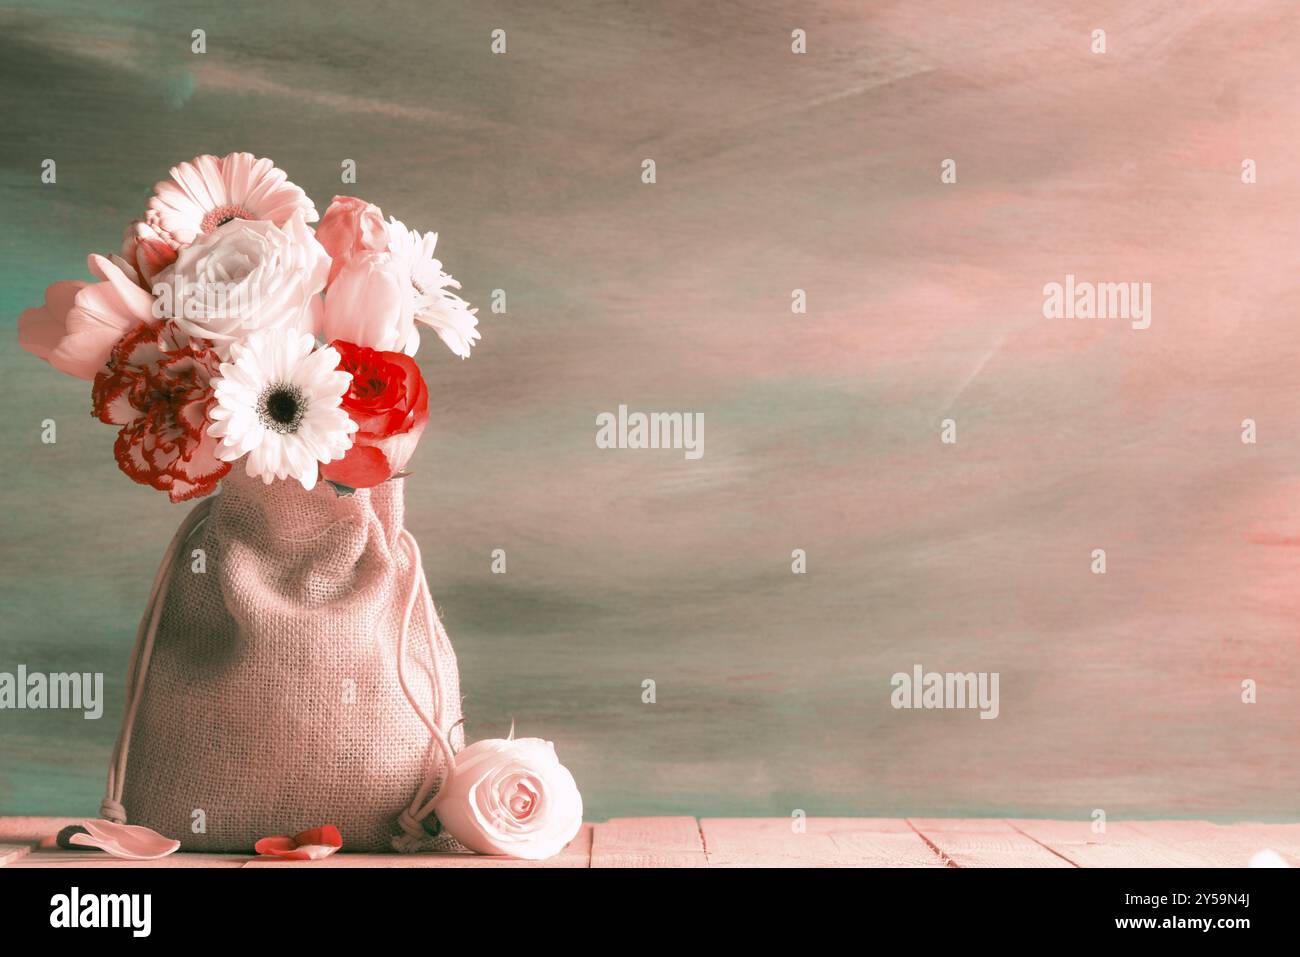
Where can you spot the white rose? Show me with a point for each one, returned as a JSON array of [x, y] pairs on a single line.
[[245, 276], [511, 797]]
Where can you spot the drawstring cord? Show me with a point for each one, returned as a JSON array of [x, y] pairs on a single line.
[[111, 808], [411, 819]]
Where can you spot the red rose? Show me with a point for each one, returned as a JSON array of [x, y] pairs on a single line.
[[159, 392], [390, 405]]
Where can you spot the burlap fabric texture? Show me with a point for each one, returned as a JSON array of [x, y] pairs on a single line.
[[265, 694]]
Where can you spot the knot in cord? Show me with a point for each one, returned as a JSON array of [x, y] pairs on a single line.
[[413, 833]]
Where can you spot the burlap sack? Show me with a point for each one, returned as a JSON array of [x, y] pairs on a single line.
[[265, 695]]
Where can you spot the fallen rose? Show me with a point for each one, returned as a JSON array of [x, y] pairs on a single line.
[[511, 797]]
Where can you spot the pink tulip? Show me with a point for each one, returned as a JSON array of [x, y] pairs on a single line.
[[368, 305], [40, 330], [80, 323]]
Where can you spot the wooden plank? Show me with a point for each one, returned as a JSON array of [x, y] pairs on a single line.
[[824, 842], [32, 839], [1121, 845], [19, 836], [745, 842], [33, 830], [576, 854], [11, 852], [986, 843], [48, 857], [868, 845], [648, 842], [1225, 845]]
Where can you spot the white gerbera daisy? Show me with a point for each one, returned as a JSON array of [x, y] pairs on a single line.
[[435, 305], [278, 402]]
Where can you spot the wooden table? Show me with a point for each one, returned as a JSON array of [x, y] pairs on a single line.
[[775, 842]]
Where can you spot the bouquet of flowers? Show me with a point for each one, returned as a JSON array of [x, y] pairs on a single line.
[[299, 673], [226, 329]]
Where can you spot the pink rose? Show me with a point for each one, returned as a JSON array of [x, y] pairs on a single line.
[[350, 228], [511, 797]]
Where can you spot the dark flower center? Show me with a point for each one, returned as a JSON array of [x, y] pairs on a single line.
[[281, 407]]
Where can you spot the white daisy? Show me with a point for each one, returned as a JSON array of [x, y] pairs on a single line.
[[278, 402], [435, 305]]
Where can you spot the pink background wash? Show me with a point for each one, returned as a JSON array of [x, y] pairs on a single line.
[[775, 172]]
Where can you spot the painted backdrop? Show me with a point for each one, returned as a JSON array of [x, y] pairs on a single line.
[[775, 171]]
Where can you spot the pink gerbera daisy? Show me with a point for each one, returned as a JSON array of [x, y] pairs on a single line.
[[210, 191]]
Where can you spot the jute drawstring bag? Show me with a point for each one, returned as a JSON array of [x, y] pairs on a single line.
[[290, 671]]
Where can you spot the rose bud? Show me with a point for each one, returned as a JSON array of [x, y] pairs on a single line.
[[351, 227]]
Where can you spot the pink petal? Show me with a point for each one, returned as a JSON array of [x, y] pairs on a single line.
[[130, 842], [238, 173], [41, 329], [136, 300], [364, 466]]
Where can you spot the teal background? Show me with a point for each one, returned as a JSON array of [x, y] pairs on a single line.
[[775, 172]]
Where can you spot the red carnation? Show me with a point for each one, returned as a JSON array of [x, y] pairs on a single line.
[[159, 393], [390, 405]]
